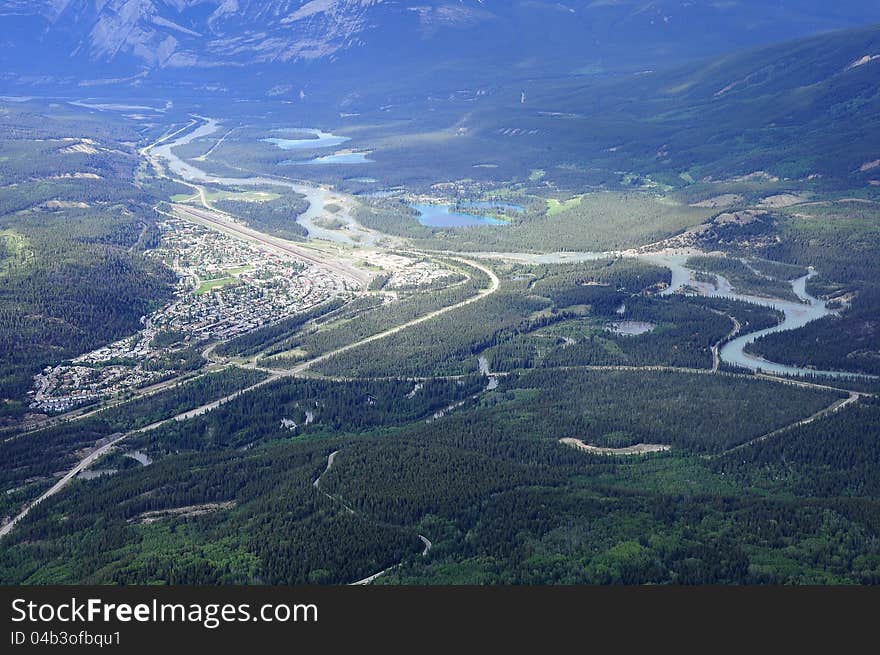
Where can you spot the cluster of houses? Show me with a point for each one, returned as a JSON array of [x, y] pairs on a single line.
[[227, 287]]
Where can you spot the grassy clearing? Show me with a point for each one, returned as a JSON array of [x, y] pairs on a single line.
[[12, 244], [593, 222], [210, 285], [616, 220], [555, 207], [284, 358]]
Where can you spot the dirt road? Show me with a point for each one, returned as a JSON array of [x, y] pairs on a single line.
[[833, 408], [330, 461], [368, 580]]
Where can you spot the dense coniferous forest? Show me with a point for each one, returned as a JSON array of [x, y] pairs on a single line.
[[75, 227], [838, 457], [513, 504], [573, 424], [265, 338], [559, 316], [372, 317], [31, 459], [277, 216]]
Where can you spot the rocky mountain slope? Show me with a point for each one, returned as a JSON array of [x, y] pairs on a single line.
[[131, 36]]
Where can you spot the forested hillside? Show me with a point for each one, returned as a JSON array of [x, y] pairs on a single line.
[[484, 323], [490, 485], [74, 226]]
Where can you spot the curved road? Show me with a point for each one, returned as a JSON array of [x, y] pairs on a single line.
[[495, 283], [371, 578], [87, 461], [427, 542], [90, 459]]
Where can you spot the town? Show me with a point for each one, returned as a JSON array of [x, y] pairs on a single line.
[[226, 287]]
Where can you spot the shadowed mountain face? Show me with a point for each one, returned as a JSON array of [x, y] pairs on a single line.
[[136, 37], [804, 108]]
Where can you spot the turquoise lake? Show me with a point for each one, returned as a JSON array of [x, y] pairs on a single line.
[[339, 158], [322, 140], [444, 216]]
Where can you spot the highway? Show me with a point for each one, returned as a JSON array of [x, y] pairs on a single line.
[[83, 464], [217, 220], [93, 456], [838, 405]]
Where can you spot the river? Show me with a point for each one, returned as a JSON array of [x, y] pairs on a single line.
[[317, 196], [797, 314]]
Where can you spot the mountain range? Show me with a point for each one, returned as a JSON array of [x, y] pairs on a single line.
[[126, 39]]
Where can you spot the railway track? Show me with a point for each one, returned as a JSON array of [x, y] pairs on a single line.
[[217, 221]]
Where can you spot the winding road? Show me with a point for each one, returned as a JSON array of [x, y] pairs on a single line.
[[331, 459], [317, 483], [210, 217], [273, 376], [375, 576]]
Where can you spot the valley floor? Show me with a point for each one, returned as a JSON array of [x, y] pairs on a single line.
[[365, 409]]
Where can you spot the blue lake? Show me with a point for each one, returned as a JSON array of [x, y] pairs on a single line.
[[444, 216], [321, 140], [339, 158]]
